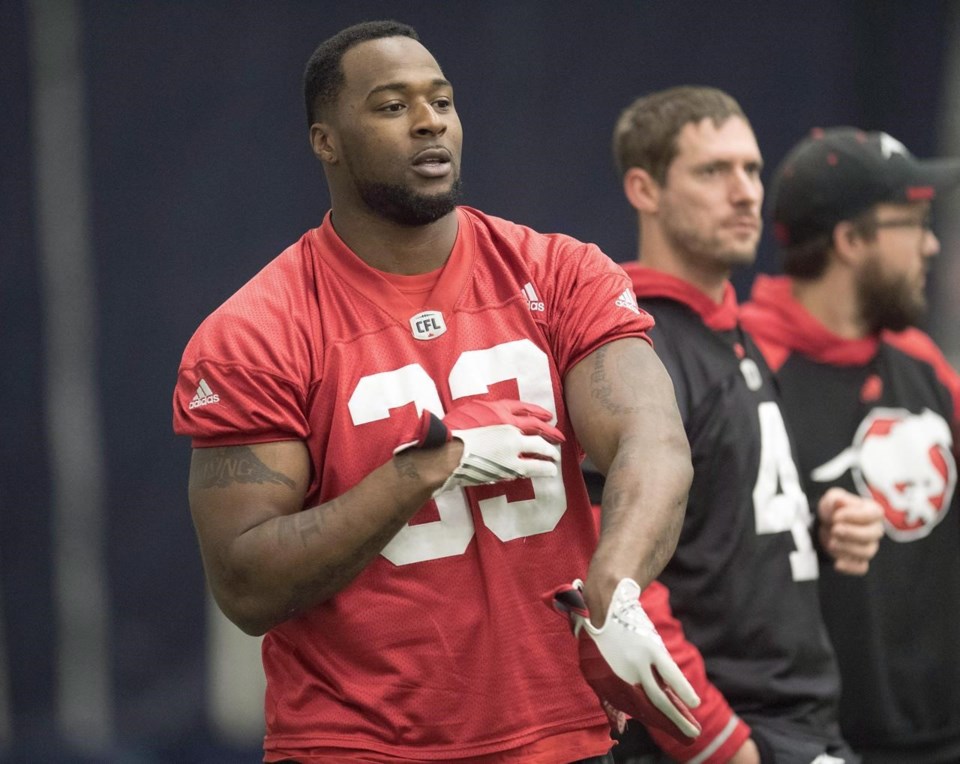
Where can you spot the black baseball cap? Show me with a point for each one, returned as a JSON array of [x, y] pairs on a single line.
[[836, 173]]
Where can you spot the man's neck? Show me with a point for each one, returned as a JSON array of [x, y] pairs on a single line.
[[832, 300], [711, 281], [395, 248]]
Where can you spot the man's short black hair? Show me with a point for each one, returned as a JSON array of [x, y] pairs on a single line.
[[323, 78]]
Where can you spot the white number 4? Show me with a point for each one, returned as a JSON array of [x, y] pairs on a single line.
[[779, 502]]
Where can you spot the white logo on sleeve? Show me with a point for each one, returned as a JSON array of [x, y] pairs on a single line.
[[629, 301], [533, 300], [204, 397]]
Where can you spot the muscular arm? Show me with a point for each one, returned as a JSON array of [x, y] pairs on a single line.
[[267, 558], [623, 409]]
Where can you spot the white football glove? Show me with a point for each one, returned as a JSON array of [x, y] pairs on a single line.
[[502, 440], [632, 649], [500, 452]]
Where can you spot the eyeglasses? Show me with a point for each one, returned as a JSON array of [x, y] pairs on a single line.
[[926, 223]]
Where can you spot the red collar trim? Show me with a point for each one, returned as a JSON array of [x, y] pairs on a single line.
[[650, 283]]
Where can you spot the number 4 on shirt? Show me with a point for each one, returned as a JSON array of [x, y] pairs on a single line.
[[779, 502]]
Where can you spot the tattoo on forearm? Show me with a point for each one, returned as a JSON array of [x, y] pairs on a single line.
[[313, 523], [406, 467], [308, 523], [619, 499], [219, 467], [662, 549]]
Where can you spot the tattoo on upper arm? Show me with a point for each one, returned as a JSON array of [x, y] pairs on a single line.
[[606, 372], [219, 467]]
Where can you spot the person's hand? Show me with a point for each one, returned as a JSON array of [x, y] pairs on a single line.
[[626, 663], [502, 440], [851, 527]]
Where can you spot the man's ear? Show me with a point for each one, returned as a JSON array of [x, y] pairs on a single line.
[[641, 190], [323, 142], [848, 242]]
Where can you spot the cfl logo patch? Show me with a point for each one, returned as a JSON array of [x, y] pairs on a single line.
[[428, 325], [532, 299]]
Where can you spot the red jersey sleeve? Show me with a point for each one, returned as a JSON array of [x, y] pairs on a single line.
[[591, 300], [723, 731], [241, 378]]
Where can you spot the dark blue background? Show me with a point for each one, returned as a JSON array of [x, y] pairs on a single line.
[[200, 171]]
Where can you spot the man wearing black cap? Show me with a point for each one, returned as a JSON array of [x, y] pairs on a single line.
[[875, 408]]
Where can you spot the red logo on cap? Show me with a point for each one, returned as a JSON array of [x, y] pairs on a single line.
[[919, 193]]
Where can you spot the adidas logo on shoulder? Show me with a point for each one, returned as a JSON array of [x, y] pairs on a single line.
[[204, 397], [628, 300], [533, 300]]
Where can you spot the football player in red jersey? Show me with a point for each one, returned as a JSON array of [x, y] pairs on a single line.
[[876, 409], [737, 604], [387, 424]]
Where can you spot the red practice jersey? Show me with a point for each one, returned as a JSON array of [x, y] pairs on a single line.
[[441, 648]]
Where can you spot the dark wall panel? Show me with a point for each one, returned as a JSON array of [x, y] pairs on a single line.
[[200, 173], [26, 603]]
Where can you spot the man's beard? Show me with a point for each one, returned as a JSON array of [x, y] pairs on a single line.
[[401, 205], [701, 250], [888, 303]]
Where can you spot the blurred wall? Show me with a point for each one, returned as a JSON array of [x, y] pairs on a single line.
[[154, 156], [944, 316]]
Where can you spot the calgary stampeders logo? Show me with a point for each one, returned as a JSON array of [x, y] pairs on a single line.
[[905, 462]]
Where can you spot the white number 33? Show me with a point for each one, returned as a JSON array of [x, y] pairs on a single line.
[[472, 374]]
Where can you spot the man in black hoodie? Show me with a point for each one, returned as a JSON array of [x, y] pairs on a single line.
[[743, 581], [876, 409]]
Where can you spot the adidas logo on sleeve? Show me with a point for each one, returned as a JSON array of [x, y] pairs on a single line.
[[629, 301], [204, 397], [533, 300]]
